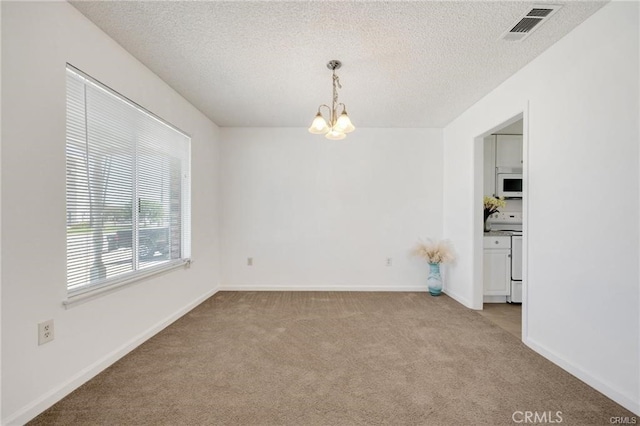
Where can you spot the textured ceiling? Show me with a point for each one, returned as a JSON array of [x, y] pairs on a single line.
[[263, 64]]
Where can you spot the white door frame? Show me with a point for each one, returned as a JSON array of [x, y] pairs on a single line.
[[478, 193]]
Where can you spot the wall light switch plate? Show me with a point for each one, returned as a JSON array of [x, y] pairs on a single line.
[[45, 332]]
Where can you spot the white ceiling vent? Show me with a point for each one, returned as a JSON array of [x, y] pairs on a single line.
[[529, 22]]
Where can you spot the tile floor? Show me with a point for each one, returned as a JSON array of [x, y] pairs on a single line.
[[505, 315]]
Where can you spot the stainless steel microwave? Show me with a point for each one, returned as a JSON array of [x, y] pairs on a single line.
[[509, 185]]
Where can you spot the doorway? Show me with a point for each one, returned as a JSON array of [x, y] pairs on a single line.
[[500, 171]]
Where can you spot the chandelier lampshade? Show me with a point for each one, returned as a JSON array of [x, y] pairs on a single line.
[[335, 135], [319, 125], [343, 124]]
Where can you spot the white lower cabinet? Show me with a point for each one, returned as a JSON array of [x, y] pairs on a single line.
[[497, 267]]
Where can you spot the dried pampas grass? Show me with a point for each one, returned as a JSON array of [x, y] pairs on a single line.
[[434, 251]]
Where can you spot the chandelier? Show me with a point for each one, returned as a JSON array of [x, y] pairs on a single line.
[[339, 124]]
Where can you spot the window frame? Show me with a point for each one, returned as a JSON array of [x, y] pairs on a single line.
[[90, 290]]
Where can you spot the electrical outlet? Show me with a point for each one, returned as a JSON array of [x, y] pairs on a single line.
[[249, 261], [45, 332], [389, 261]]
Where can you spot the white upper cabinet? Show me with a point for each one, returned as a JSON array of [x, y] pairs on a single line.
[[490, 165], [509, 151]]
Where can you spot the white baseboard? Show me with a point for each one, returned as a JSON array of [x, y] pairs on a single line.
[[36, 407], [494, 299], [463, 301], [608, 391], [253, 287]]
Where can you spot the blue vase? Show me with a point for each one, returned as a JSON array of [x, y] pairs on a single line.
[[434, 280]]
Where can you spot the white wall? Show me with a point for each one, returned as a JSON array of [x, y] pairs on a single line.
[[37, 40], [581, 105], [1, 413], [320, 214], [0, 228]]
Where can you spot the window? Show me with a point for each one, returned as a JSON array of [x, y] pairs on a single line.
[[128, 189]]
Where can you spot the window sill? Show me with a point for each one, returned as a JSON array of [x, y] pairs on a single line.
[[76, 297]]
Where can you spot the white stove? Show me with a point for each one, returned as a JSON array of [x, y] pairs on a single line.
[[506, 221], [511, 224]]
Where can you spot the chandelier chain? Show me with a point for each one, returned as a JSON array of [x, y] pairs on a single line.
[[336, 82]]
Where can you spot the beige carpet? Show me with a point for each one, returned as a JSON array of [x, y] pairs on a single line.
[[315, 358]]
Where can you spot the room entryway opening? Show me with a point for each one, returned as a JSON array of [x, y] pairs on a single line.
[[501, 200]]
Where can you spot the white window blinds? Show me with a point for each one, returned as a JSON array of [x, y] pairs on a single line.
[[128, 188]]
